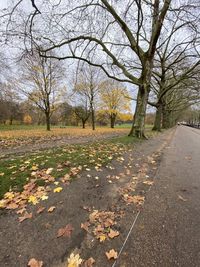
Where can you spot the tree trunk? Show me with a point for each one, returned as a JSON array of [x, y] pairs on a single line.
[[112, 120], [11, 121], [138, 126], [158, 118], [166, 119], [93, 118], [83, 123], [47, 121]]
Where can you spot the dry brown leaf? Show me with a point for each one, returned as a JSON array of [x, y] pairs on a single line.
[[26, 216], [65, 231], [112, 254], [51, 209], [21, 211], [34, 263], [113, 233], [181, 198], [40, 210], [89, 262], [12, 206], [148, 182], [85, 226]]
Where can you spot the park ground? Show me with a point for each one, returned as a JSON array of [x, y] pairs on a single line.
[[76, 203]]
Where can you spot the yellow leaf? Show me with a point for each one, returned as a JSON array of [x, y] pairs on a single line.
[[44, 197], [57, 189], [102, 238], [33, 199], [2, 204], [74, 260], [34, 168], [9, 195]]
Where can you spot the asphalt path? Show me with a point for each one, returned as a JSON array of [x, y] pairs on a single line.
[[167, 230]]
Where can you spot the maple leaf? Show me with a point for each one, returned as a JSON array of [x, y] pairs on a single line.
[[102, 238], [65, 231], [113, 233], [40, 210], [2, 203], [21, 210], [33, 199], [34, 168], [148, 182], [85, 226], [89, 262], [26, 216], [112, 254], [12, 206], [34, 263], [9, 195], [74, 260], [49, 170], [44, 197], [57, 189], [51, 209]]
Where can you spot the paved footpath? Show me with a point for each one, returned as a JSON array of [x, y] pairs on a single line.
[[167, 231]]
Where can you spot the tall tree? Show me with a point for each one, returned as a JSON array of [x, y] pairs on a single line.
[[41, 81], [120, 38], [86, 89]]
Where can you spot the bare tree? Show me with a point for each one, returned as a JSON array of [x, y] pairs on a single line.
[[86, 89], [118, 37], [41, 81]]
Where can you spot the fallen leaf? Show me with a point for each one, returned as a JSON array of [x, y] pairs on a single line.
[[40, 210], [74, 260], [33, 199], [49, 170], [148, 182], [89, 262], [34, 168], [113, 233], [102, 238], [44, 197], [65, 231], [112, 254], [85, 226], [181, 198], [26, 216], [34, 263], [9, 195], [57, 189], [21, 211], [12, 206], [51, 209]]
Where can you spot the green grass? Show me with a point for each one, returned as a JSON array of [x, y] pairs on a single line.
[[17, 171]]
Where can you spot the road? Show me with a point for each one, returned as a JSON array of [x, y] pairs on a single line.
[[167, 231]]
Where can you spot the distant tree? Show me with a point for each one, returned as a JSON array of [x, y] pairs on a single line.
[[83, 113], [86, 89], [41, 83], [113, 99]]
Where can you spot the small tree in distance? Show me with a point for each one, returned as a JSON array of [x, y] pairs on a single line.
[[113, 99]]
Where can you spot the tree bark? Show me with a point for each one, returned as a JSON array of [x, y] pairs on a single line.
[[83, 123], [47, 121], [158, 118], [93, 118], [112, 120], [138, 126]]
